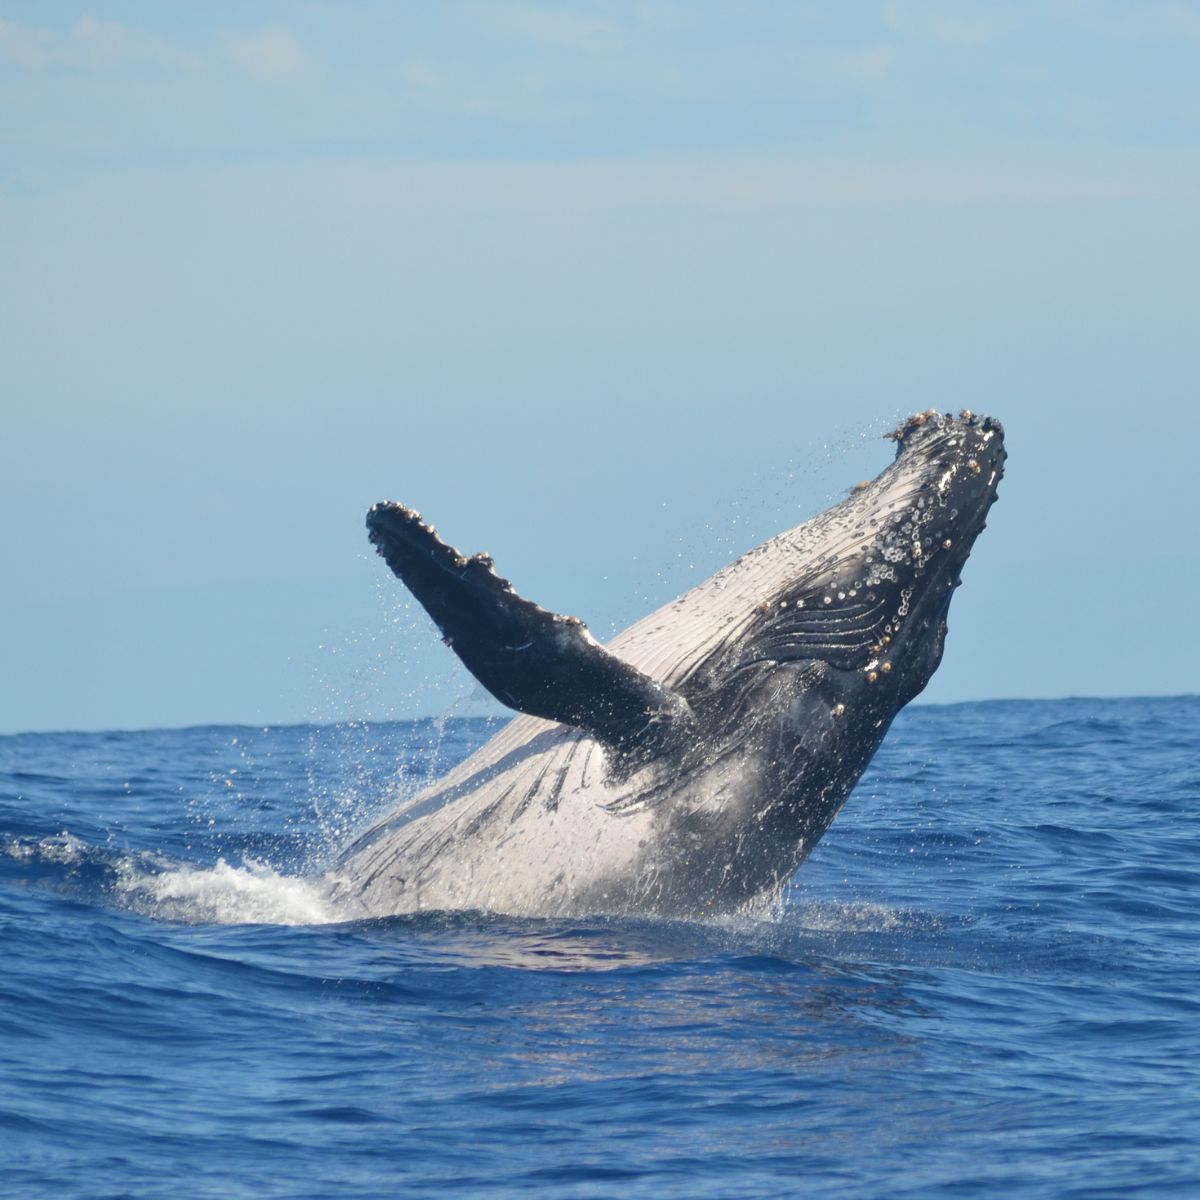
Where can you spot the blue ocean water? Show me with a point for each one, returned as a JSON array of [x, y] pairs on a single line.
[[984, 983]]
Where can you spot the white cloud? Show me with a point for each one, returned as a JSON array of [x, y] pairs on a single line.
[[867, 66], [451, 87], [425, 76], [547, 26], [265, 54], [26, 46], [90, 45], [760, 182], [95, 45], [1142, 22], [1182, 19], [960, 26]]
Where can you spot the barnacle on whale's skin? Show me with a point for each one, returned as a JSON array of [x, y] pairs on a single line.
[[699, 756]]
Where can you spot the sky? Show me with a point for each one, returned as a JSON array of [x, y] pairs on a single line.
[[613, 291]]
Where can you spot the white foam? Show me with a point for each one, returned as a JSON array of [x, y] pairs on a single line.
[[252, 894]]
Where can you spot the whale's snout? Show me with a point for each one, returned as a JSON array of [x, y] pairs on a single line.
[[959, 461], [970, 443]]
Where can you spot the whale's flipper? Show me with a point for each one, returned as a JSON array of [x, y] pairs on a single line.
[[532, 660]]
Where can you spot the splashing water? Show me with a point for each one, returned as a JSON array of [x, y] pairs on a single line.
[[222, 894]]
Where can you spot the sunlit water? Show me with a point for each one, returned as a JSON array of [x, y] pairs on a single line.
[[985, 982]]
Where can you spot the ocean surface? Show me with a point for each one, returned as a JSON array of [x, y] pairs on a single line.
[[985, 982]]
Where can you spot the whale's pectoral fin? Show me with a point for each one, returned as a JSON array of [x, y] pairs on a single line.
[[532, 660]]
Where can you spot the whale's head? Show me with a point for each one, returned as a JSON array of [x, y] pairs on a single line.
[[846, 623], [863, 590], [918, 521], [831, 628]]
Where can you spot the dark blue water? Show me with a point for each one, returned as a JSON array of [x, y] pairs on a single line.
[[986, 982]]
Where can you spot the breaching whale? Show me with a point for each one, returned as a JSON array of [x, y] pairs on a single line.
[[689, 766]]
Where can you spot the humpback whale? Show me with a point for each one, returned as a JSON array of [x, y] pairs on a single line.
[[688, 766]]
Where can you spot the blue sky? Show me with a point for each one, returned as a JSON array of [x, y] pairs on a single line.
[[612, 291]]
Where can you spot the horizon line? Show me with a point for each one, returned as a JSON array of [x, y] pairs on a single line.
[[445, 718]]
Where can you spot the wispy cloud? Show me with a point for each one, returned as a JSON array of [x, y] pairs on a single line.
[[464, 90], [269, 54], [94, 45], [532, 79], [751, 183], [1176, 19], [958, 25], [89, 45], [555, 27], [26, 46], [1182, 20], [867, 66]]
